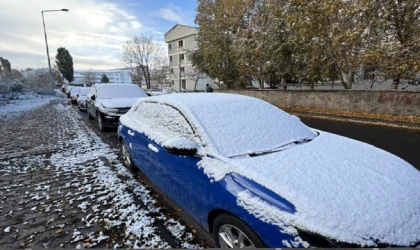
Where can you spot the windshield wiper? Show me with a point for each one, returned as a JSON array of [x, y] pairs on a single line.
[[281, 148]]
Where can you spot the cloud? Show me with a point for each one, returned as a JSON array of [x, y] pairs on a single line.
[[171, 13], [93, 31]]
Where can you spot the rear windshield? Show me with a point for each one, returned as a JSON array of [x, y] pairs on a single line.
[[120, 91], [84, 91]]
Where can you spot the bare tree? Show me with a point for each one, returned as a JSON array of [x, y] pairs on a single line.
[[161, 70], [89, 78], [195, 75], [37, 78], [141, 51]]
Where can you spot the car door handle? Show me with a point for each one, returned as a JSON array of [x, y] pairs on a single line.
[[153, 148], [130, 132]]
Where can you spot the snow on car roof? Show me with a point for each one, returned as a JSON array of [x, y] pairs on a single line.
[[238, 125], [120, 90], [84, 90]]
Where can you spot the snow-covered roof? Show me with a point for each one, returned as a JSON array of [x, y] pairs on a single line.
[[119, 90], [238, 125]]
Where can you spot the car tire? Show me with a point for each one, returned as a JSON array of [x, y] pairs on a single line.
[[90, 117], [101, 124], [126, 157], [229, 231]]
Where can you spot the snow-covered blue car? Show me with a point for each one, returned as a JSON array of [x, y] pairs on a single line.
[[255, 176]]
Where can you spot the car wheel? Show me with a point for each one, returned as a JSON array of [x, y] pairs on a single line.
[[231, 232], [127, 160], [90, 117], [101, 125]]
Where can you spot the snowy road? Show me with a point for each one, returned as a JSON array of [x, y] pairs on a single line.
[[61, 186]]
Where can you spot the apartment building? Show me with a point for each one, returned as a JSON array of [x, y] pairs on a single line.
[[181, 40], [90, 77]]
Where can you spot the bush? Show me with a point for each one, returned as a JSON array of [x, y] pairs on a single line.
[[4, 88], [16, 87]]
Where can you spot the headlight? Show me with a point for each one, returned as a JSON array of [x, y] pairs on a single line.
[[316, 240], [107, 110]]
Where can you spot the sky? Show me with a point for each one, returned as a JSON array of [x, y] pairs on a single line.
[[93, 31]]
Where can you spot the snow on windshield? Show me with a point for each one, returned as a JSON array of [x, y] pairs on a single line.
[[75, 90], [84, 91], [108, 91]]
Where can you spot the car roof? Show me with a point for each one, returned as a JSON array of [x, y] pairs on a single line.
[[111, 85], [190, 100]]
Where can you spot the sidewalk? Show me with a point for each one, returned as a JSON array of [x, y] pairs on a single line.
[[61, 186]]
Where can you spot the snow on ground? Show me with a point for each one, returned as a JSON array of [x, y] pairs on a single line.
[[101, 183], [23, 102]]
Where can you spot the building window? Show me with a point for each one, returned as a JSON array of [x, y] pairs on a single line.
[[172, 71], [182, 69], [180, 44], [170, 58], [182, 56], [184, 84], [169, 46]]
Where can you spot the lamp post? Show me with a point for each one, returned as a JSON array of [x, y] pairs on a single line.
[[46, 45]]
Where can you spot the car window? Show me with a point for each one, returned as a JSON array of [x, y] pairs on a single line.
[[163, 122]]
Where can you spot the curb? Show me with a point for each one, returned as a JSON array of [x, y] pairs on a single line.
[[360, 120]]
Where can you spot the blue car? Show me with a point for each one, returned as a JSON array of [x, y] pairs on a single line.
[[255, 176]]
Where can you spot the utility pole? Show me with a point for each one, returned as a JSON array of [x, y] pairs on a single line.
[[46, 45]]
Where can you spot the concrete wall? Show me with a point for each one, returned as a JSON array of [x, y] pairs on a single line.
[[389, 102]]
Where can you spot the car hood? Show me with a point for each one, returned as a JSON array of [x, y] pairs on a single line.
[[118, 102], [341, 188]]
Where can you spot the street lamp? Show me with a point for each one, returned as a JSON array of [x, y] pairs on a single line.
[[46, 45]]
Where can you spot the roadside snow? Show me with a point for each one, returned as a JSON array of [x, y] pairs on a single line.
[[101, 182], [24, 102]]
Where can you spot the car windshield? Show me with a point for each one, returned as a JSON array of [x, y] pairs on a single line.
[[84, 91], [74, 90], [108, 91], [243, 127]]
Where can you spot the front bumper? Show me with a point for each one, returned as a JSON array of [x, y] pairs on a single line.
[[111, 121]]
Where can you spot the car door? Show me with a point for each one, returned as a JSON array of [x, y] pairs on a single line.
[[177, 175], [91, 103]]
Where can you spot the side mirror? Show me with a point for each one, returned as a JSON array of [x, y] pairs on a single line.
[[93, 97], [180, 146]]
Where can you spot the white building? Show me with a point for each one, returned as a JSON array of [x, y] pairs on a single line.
[[182, 40], [91, 76]]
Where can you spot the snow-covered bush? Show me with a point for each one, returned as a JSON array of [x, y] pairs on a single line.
[[16, 87], [4, 88]]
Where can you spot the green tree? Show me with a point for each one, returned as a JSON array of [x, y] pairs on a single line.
[[104, 79], [393, 44], [64, 62]]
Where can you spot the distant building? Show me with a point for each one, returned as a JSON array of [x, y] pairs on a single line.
[[182, 40], [90, 77]]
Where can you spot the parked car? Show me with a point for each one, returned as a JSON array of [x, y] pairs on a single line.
[[73, 94], [68, 91], [255, 176], [107, 102], [82, 97], [64, 87]]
